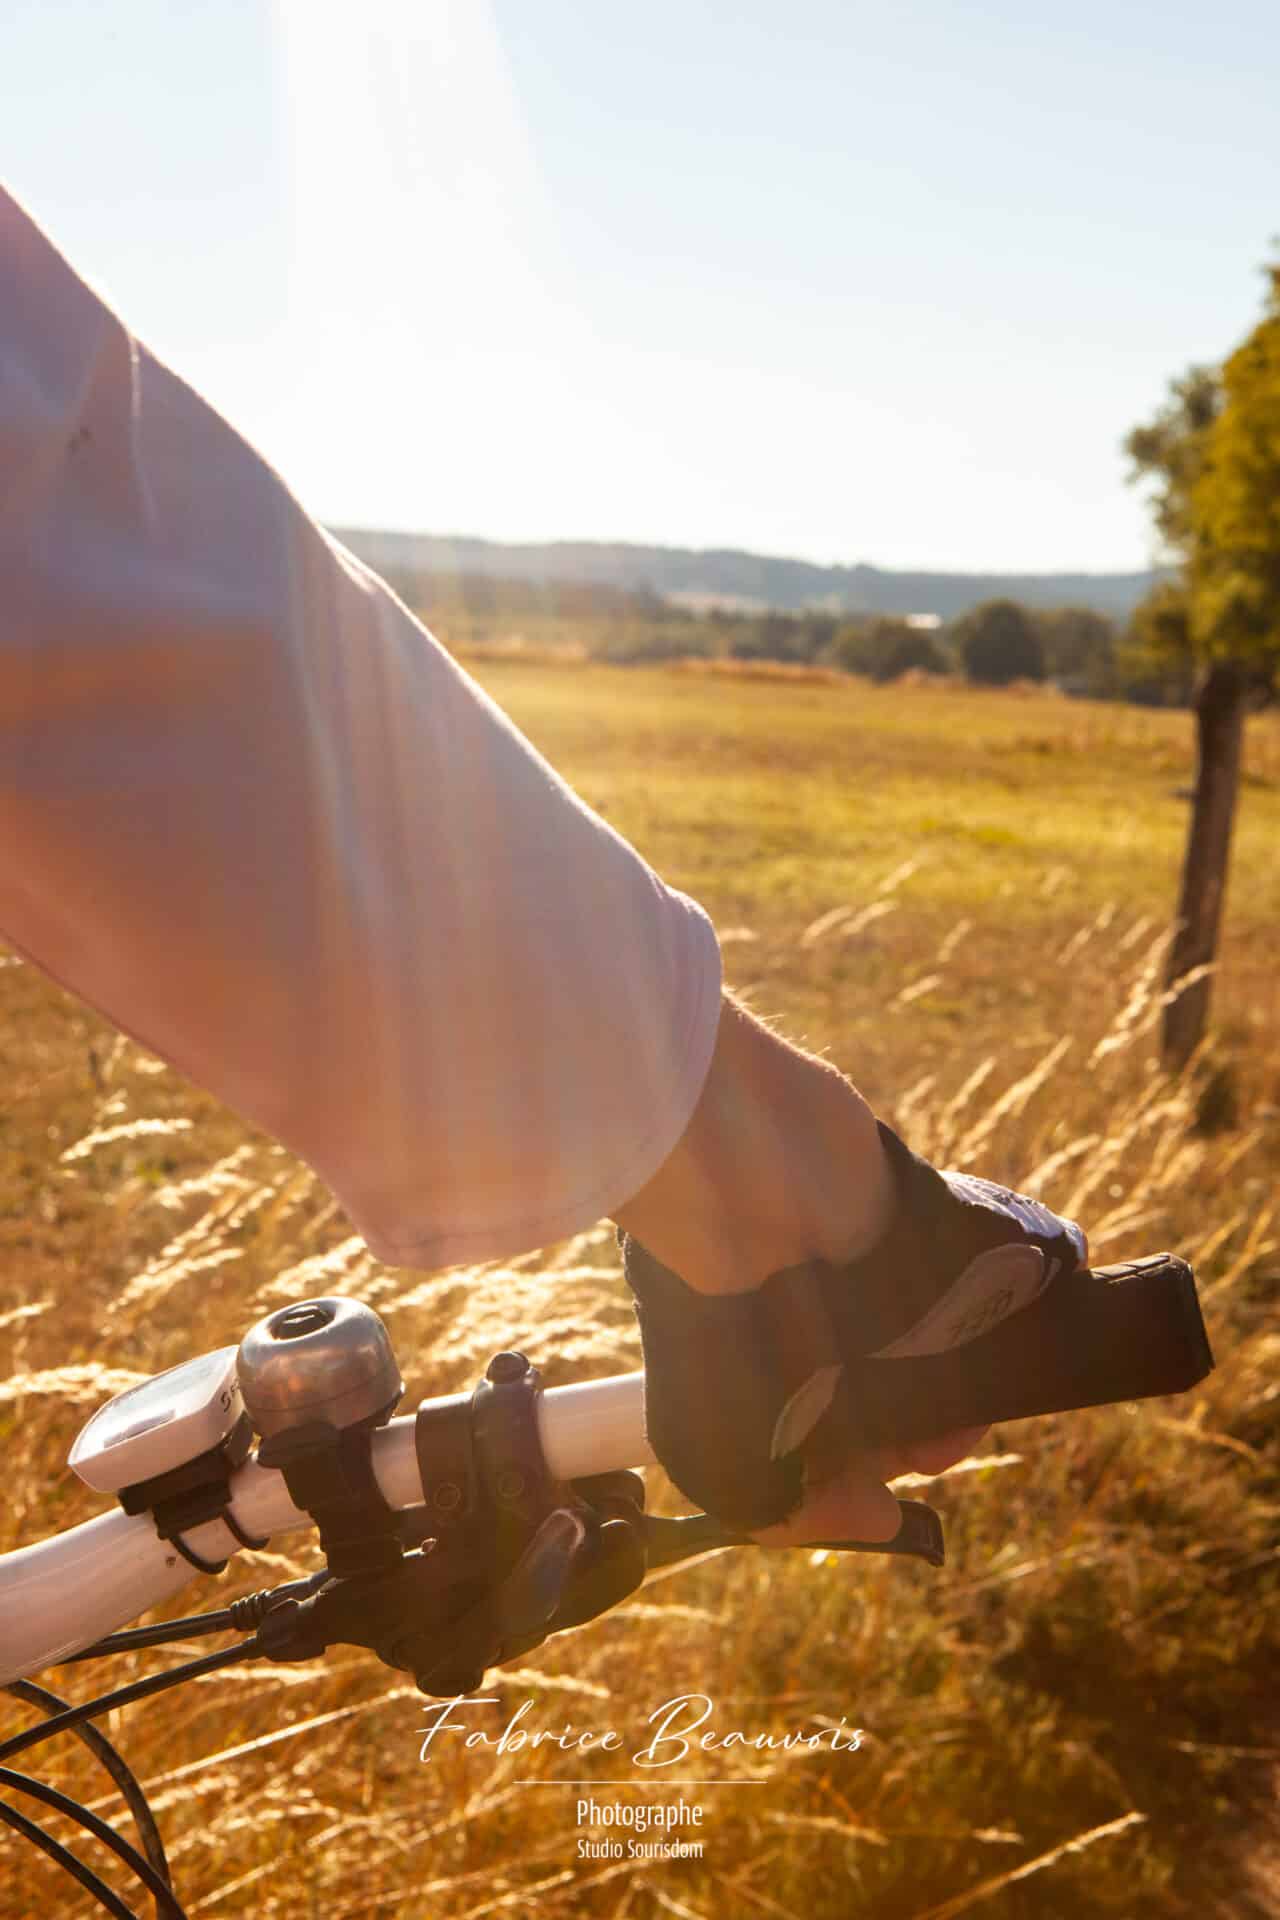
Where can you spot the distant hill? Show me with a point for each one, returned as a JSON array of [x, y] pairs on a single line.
[[744, 581]]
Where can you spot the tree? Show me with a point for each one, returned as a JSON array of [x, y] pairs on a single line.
[[998, 642], [769, 636], [1079, 648], [917, 650], [818, 631], [886, 648], [851, 647], [1154, 665], [1214, 451]]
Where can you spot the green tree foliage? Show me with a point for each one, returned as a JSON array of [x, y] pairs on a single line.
[[1154, 661], [884, 649], [1233, 572], [999, 642], [1170, 451], [819, 630], [917, 650], [799, 639], [1079, 649], [769, 636], [1214, 453]]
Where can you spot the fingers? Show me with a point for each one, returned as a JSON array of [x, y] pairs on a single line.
[[854, 1504], [935, 1456]]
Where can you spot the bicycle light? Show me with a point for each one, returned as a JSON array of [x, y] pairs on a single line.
[[161, 1424]]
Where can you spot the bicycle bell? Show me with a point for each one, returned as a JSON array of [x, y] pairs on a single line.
[[321, 1360]]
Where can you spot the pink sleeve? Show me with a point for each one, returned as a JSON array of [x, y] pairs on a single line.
[[256, 815]]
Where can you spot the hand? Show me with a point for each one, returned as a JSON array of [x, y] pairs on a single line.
[[809, 1238], [780, 1161]]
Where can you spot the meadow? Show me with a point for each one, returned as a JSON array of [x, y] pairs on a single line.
[[962, 897]]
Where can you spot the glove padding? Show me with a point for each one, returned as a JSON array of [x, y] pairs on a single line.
[[735, 1383]]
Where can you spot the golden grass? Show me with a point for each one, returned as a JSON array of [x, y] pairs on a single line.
[[1079, 1714], [790, 673]]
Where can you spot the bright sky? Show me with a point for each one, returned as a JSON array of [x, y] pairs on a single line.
[[833, 278]]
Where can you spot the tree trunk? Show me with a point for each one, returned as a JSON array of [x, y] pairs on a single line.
[[1221, 704]]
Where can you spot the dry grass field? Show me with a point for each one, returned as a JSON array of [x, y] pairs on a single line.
[[963, 898]]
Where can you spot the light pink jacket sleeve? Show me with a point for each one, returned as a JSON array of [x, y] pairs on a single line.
[[256, 815]]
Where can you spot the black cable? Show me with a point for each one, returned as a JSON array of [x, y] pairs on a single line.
[[240, 1617], [88, 1879], [124, 1696], [114, 1762], [132, 1638], [166, 1901]]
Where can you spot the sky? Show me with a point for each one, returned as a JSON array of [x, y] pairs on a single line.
[[835, 279]]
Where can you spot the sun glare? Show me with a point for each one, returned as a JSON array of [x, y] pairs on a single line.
[[417, 229]]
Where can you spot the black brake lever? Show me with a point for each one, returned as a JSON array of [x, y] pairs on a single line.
[[668, 1541]]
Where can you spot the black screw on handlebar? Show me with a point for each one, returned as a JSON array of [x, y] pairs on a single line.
[[506, 1366]]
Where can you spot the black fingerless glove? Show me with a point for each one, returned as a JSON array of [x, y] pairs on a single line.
[[943, 1319]]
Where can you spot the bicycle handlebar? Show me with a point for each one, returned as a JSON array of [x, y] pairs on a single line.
[[63, 1594], [1098, 1335]]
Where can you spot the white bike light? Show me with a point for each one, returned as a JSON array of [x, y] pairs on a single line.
[[161, 1424]]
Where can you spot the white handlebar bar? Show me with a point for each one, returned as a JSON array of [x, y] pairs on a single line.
[[65, 1593]]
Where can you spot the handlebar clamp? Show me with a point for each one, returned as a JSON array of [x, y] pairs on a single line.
[[193, 1494]]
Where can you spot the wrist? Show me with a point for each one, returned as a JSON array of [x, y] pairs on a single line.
[[780, 1164]]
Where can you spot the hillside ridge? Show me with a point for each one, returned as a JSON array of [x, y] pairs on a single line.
[[732, 578]]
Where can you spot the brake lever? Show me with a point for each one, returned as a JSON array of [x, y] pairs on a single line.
[[530, 1595], [668, 1541]]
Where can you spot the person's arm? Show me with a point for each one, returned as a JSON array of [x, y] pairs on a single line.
[[256, 815], [780, 1163]]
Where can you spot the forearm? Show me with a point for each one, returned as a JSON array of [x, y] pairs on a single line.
[[780, 1164]]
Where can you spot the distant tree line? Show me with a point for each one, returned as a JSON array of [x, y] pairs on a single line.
[[1079, 650]]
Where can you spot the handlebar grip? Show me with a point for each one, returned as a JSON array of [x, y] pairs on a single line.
[[1101, 1334]]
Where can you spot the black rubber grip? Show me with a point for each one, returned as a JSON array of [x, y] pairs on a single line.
[[1127, 1332]]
